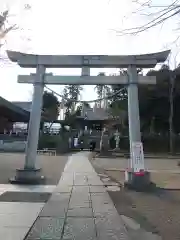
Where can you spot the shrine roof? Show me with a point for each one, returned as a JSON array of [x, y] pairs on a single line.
[[12, 112]]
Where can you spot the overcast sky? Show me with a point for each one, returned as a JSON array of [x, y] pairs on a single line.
[[76, 27]]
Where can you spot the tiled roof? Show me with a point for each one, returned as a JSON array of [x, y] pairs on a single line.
[[94, 114], [24, 105]]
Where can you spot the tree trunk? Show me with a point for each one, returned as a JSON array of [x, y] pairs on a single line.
[[171, 114]]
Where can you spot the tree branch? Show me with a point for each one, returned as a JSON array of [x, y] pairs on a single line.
[[161, 16]]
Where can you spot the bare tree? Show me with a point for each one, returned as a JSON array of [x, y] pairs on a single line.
[[7, 24], [157, 14], [3, 29]]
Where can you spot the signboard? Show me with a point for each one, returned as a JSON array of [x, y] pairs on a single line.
[[137, 161]]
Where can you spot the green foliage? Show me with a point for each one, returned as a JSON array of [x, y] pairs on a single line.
[[100, 88], [154, 101], [58, 142], [48, 141], [72, 92], [118, 103], [50, 106]]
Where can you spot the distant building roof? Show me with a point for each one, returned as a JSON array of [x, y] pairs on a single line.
[[93, 114], [13, 112], [24, 105], [27, 106]]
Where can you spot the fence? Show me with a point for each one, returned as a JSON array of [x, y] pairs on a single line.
[[12, 146]]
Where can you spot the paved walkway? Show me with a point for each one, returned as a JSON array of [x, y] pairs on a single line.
[[16, 218], [79, 208]]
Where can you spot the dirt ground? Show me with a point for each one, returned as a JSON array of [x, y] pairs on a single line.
[[157, 211], [167, 180], [52, 166]]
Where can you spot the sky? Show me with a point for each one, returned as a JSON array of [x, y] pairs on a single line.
[[75, 27]]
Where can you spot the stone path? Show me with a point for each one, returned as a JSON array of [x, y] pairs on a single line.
[[16, 218], [80, 207], [27, 188]]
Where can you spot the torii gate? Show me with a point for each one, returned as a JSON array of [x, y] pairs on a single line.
[[85, 62]]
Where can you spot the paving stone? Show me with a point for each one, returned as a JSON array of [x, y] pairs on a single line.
[[65, 182], [110, 228], [67, 175], [33, 197], [82, 197], [94, 179], [104, 212], [100, 195], [80, 179], [47, 228], [60, 197], [79, 203], [13, 233], [103, 208], [100, 202], [80, 212], [96, 189], [18, 219], [66, 179], [113, 188], [27, 188], [96, 184], [63, 189], [79, 229], [80, 189], [16, 207], [54, 209]]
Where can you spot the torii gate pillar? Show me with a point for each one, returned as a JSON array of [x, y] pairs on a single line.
[[135, 177], [133, 107], [31, 173]]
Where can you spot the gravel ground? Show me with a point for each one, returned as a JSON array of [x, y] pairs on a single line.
[[154, 164], [52, 166], [156, 212]]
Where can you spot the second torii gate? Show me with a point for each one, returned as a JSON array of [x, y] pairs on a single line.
[[85, 62]]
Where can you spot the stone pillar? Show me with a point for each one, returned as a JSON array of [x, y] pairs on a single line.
[[133, 109], [35, 118], [133, 104], [136, 177], [30, 173]]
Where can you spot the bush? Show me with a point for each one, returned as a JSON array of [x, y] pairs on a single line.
[[49, 141], [58, 142]]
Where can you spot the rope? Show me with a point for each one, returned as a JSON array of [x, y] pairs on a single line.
[[90, 101]]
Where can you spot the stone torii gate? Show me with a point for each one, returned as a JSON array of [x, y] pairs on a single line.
[[30, 173]]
